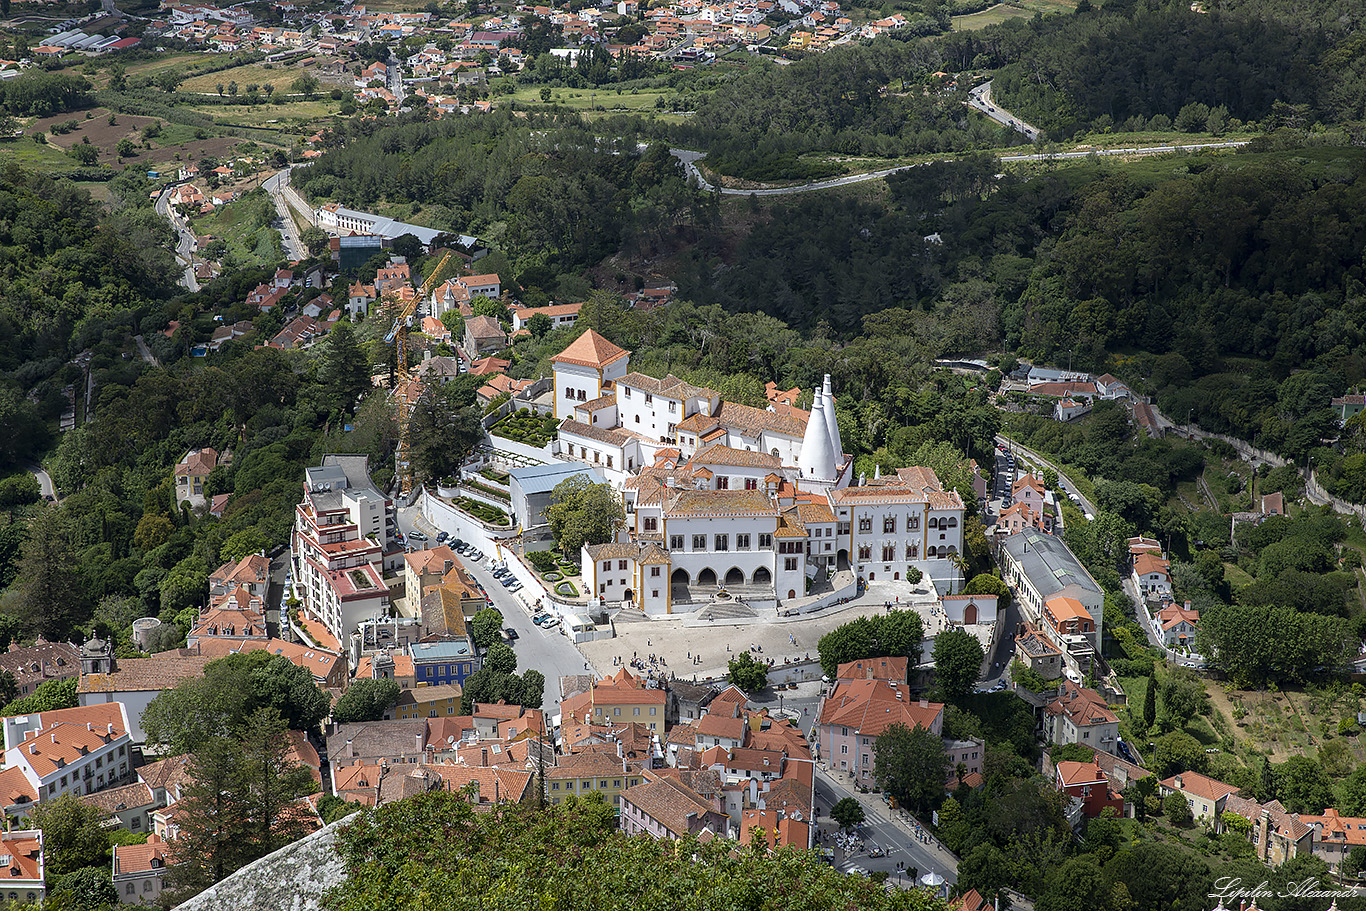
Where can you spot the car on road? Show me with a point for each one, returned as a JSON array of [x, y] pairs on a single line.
[[876, 851], [417, 536], [511, 634], [856, 871]]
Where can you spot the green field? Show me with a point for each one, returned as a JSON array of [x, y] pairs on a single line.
[[279, 76], [293, 116], [151, 67], [30, 154], [1016, 9], [602, 101], [245, 226]]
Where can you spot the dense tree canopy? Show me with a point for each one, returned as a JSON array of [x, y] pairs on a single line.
[[437, 844]]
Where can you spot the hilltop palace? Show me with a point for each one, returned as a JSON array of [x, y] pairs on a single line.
[[725, 500]]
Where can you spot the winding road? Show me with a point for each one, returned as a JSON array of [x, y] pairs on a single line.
[[980, 99], [185, 243], [690, 158]]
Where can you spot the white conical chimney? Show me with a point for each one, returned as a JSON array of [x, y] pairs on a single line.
[[832, 425], [816, 459], [877, 471]]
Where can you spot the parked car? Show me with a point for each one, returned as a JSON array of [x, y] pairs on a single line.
[[442, 536], [475, 555], [515, 586], [539, 617], [508, 580], [457, 545], [500, 572], [417, 536]]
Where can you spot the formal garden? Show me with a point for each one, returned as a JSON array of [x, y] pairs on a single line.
[[526, 426]]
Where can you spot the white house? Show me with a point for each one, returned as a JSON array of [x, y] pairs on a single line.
[[1152, 576], [23, 879], [67, 751], [1079, 715], [1179, 625]]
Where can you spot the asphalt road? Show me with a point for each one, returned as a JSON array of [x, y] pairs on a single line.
[[185, 243], [45, 486], [899, 844], [551, 653], [690, 158], [284, 223], [1087, 506], [980, 99]]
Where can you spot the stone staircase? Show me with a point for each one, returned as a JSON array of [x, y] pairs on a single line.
[[727, 610], [630, 615]]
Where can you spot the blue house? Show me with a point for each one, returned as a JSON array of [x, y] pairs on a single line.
[[447, 661]]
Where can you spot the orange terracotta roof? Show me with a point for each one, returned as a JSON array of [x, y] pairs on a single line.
[[590, 350]]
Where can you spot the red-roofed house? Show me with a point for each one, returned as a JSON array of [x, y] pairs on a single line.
[[23, 877], [1086, 782], [138, 871], [69, 751], [1153, 576], [1080, 715], [1205, 795], [1179, 625], [892, 670], [191, 474], [665, 808], [854, 715]]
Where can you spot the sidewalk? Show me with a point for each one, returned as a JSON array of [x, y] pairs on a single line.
[[875, 807]]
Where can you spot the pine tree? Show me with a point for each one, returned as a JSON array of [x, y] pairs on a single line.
[[342, 369], [1150, 702]]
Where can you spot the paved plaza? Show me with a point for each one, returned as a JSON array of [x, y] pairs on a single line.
[[687, 647]]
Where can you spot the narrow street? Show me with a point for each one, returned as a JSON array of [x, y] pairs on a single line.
[[893, 831], [185, 240], [549, 652]]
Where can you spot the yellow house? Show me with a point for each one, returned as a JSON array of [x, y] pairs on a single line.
[[588, 773], [429, 702]]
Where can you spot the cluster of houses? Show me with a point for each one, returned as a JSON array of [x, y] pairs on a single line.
[[1074, 394], [1151, 576], [1030, 505], [1277, 834]]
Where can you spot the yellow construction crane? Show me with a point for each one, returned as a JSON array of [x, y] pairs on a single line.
[[404, 320], [399, 334]]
